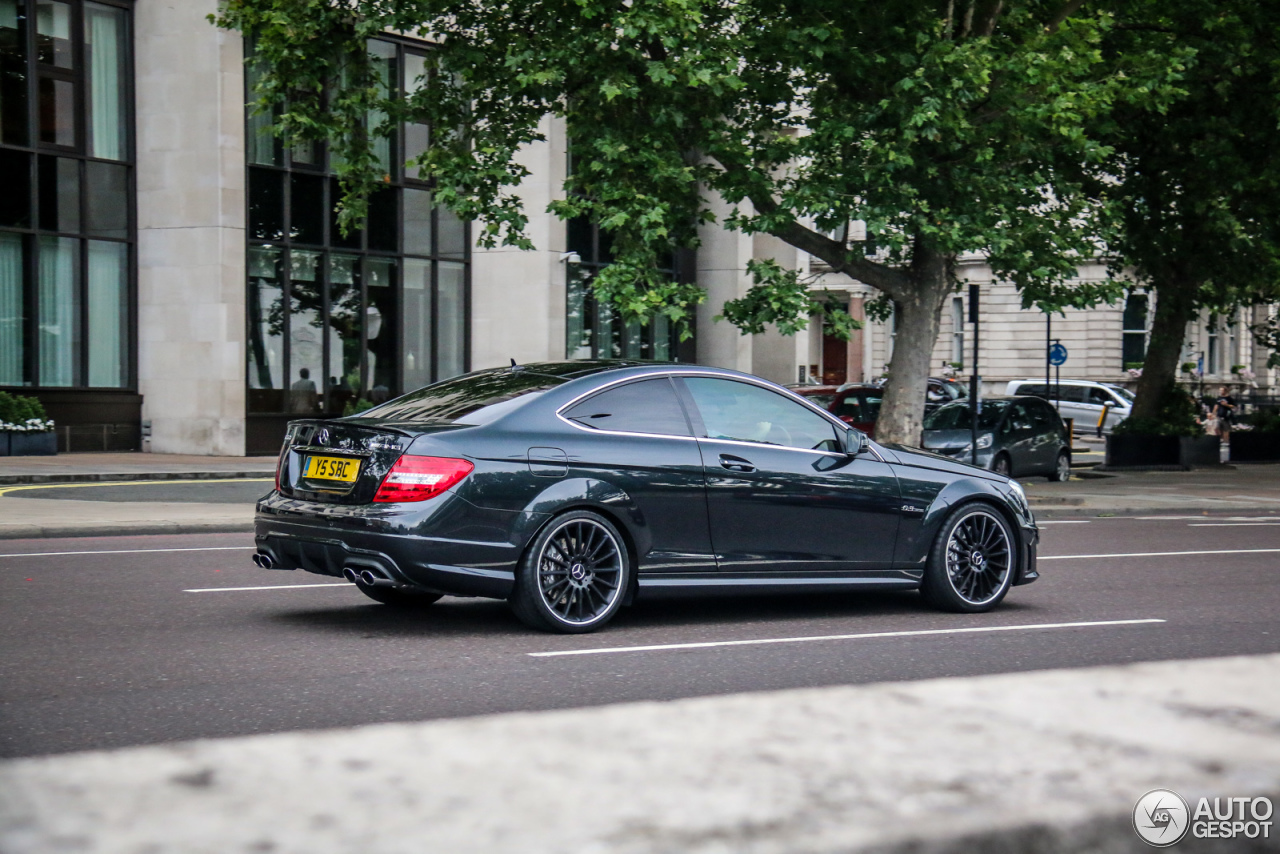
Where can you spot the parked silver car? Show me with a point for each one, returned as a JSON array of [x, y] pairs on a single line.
[[1083, 401]]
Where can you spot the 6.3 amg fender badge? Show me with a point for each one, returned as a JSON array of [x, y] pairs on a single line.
[[911, 508]]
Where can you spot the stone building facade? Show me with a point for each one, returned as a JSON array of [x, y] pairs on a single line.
[[171, 277]]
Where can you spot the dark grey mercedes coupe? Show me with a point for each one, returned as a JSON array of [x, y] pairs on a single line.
[[570, 488]]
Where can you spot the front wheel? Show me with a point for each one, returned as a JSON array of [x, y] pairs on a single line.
[[1062, 469], [574, 576], [972, 562]]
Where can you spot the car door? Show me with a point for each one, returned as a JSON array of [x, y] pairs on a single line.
[[1016, 437], [635, 436], [1069, 401], [1046, 437], [781, 495]]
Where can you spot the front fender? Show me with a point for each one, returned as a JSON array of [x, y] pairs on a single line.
[[938, 493]]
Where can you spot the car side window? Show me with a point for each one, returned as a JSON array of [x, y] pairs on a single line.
[[647, 406], [850, 408], [871, 406], [1019, 419], [1042, 417], [1100, 397], [748, 413]]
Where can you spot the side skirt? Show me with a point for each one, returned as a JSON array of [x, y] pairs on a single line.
[[702, 584]]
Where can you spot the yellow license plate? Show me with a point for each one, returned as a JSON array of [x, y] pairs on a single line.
[[341, 469]]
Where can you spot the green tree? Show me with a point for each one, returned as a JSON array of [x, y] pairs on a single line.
[[948, 127], [1196, 187]]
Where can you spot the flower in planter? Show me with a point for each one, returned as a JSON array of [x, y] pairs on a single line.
[[1135, 372], [21, 414]]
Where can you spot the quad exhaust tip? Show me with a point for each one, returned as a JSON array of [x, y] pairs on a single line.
[[367, 577], [263, 560]]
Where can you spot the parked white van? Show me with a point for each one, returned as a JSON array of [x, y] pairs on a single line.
[[1081, 400]]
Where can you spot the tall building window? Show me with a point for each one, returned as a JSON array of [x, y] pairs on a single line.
[[1134, 343], [957, 330], [66, 208], [592, 328], [337, 321], [1213, 350]]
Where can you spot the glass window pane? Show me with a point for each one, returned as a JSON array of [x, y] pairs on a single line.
[[417, 222], [262, 147], [108, 299], [380, 329], [53, 33], [416, 136], [453, 235], [306, 208], [382, 220], [59, 318], [451, 355], [59, 194], [416, 323], [266, 330], [107, 199], [345, 322], [266, 204], [306, 330], [57, 112], [15, 201], [578, 322], [382, 56], [13, 310], [748, 413], [336, 238], [13, 72], [105, 54], [648, 406]]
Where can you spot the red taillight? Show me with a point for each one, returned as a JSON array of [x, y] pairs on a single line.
[[419, 478]]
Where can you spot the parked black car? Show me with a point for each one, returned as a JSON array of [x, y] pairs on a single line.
[[1017, 436], [570, 488]]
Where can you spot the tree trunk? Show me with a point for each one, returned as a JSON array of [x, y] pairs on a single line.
[[1175, 307], [901, 416]]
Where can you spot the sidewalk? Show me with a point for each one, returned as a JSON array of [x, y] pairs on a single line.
[[174, 494], [1050, 761]]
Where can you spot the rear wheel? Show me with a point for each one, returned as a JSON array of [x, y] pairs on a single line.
[[972, 562], [1001, 465], [1062, 469], [574, 576], [398, 597]]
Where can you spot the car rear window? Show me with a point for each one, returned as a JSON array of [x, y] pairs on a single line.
[[472, 399]]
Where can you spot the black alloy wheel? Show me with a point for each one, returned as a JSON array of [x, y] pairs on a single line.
[[972, 563], [399, 597], [1062, 469], [574, 576], [1001, 465]]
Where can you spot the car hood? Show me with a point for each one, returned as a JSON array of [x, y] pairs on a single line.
[[924, 459], [949, 438]]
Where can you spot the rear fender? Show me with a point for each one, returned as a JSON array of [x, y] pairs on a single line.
[[583, 493]]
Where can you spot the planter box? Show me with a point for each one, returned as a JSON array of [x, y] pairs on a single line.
[[1251, 447], [28, 444], [1136, 451]]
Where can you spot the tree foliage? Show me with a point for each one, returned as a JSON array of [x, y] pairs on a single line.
[[948, 126]]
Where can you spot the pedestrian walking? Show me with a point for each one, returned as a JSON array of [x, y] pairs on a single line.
[[1224, 410]]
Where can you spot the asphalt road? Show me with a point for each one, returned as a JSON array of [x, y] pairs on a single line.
[[124, 641]]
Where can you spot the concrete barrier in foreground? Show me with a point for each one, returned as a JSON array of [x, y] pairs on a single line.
[[1037, 762]]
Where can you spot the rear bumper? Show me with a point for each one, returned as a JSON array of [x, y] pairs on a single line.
[[330, 543]]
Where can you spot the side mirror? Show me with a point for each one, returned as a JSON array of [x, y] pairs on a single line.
[[855, 442]]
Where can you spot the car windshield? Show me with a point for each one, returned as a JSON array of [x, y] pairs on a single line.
[[955, 416], [1125, 395], [472, 399]]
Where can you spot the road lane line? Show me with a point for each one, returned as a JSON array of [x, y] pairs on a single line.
[[1064, 522], [1232, 524], [85, 484], [133, 551], [1162, 554], [270, 587], [864, 636]]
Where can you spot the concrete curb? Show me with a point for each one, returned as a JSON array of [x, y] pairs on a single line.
[[121, 529], [1042, 762], [17, 479]]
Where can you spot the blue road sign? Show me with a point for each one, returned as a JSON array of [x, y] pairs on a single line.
[[1057, 354]]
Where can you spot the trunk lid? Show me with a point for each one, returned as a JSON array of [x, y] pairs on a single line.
[[339, 462]]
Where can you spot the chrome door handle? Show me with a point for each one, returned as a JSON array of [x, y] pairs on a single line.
[[733, 463]]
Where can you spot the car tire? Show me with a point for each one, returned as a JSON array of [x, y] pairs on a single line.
[[1062, 468], [973, 561], [1002, 465], [399, 597], [574, 576]]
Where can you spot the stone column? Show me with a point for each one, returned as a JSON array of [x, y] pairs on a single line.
[[191, 229], [722, 272], [854, 365]]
